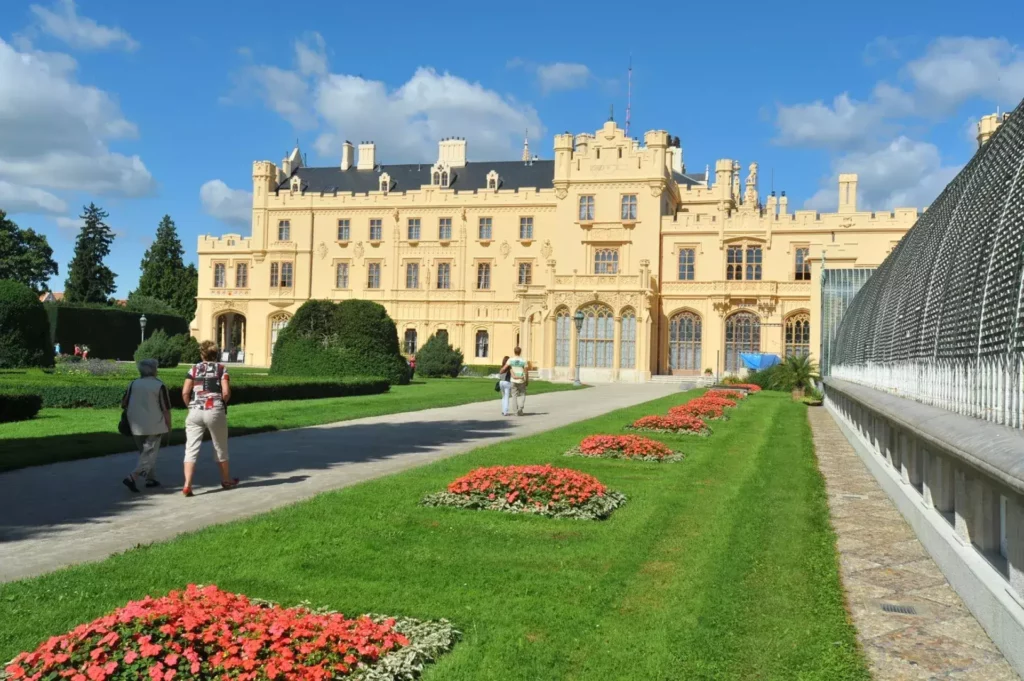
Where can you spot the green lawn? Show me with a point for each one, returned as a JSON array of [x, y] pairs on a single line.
[[720, 567], [67, 434]]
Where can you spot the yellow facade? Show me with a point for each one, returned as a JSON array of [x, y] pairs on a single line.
[[676, 272]]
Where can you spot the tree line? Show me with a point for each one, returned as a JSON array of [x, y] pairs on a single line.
[[167, 285]]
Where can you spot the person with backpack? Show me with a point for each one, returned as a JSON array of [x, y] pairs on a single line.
[[207, 392], [517, 368]]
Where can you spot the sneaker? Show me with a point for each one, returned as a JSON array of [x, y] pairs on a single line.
[[230, 484], [519, 413], [130, 484], [151, 482]]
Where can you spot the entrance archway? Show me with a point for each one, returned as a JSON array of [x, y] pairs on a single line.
[[742, 335], [231, 336], [685, 335]]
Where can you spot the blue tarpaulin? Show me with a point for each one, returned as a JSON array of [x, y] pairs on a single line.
[[757, 361]]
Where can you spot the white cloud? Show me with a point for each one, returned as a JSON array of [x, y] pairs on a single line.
[[955, 70], [905, 173], [63, 22], [66, 224], [233, 206], [880, 49], [54, 131], [20, 199], [406, 122], [556, 76]]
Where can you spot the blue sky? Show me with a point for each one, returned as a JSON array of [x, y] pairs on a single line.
[[154, 108]]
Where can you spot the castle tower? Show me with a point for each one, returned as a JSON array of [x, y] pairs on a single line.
[[526, 147], [988, 125]]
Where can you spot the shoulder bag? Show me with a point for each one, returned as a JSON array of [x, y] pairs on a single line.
[[124, 427]]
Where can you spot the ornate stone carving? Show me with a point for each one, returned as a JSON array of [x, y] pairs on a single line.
[[234, 305], [561, 192], [321, 250], [395, 216], [657, 189], [463, 213], [505, 249], [358, 250], [546, 249]]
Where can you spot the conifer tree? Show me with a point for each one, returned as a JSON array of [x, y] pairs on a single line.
[[89, 280], [164, 273]]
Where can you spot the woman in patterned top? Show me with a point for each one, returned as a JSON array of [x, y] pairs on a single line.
[[207, 392]]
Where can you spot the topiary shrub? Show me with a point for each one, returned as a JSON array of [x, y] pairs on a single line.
[[19, 406], [160, 347], [24, 328], [189, 347], [353, 338], [438, 359]]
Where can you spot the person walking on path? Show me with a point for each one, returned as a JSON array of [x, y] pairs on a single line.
[[147, 406], [505, 385], [207, 392], [519, 378]]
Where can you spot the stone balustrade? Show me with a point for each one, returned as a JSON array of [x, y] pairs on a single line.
[[959, 481]]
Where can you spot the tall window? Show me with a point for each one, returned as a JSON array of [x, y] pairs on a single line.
[[284, 230], [586, 208], [277, 323], [525, 228], [798, 335], [742, 335], [412, 275], [242, 275], [684, 340], [444, 229], [606, 261], [344, 229], [341, 275], [597, 337], [483, 276], [482, 344], [743, 262], [414, 229], [410, 342], [629, 206], [485, 228], [687, 256], [444, 275], [803, 266], [275, 275], [563, 336], [286, 275], [219, 275], [627, 344], [525, 273], [376, 229], [373, 275]]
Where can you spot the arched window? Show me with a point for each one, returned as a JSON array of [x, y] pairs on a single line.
[[277, 323], [627, 351], [444, 178], [482, 344], [798, 335], [563, 336], [597, 337], [606, 261], [410, 342], [385, 183], [442, 334], [437, 177], [684, 342], [742, 335]]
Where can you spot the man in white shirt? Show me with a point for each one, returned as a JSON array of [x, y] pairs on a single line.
[[518, 367]]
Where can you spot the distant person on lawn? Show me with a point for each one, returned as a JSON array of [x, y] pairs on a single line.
[[505, 385], [148, 407], [519, 378], [207, 392]]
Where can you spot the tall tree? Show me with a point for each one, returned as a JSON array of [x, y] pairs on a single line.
[[89, 280], [25, 256], [164, 273]]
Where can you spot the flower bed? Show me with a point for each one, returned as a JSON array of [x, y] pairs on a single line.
[[749, 387], [539, 490], [711, 409], [205, 633], [735, 395], [624, 447], [672, 423]]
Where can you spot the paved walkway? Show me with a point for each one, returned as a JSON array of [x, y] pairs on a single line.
[[883, 563], [66, 513]]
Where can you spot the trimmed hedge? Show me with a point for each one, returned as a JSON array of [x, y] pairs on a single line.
[[108, 393], [24, 337], [438, 359], [110, 333], [483, 370], [19, 406]]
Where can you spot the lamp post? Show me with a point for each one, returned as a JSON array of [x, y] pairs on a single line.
[[578, 318], [142, 328]]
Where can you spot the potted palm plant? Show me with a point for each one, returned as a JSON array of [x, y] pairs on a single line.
[[801, 371]]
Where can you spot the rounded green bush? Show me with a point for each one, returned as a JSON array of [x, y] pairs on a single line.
[[160, 347], [438, 359], [189, 347], [24, 328]]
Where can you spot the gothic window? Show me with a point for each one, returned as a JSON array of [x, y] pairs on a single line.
[[753, 271], [373, 275], [286, 275], [242, 275], [483, 276], [492, 180], [743, 262], [412, 275], [606, 261], [525, 273], [410, 342], [219, 275], [563, 336], [597, 337], [437, 177], [275, 275], [684, 342], [742, 335], [444, 275], [803, 266], [385, 183], [277, 323], [444, 178], [687, 257], [798, 335], [482, 344], [627, 352]]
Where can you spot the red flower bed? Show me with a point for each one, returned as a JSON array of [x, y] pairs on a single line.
[[203, 632], [735, 395], [702, 407], [749, 387], [624, 447], [672, 423], [542, 490]]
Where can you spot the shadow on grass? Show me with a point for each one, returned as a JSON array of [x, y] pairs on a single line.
[[40, 499]]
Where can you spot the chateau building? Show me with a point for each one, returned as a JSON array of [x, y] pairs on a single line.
[[674, 272]]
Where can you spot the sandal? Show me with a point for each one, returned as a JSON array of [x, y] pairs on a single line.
[[230, 484], [187, 491]]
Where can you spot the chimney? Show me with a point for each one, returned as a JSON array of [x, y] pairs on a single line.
[[347, 155], [452, 151], [848, 193], [367, 156]]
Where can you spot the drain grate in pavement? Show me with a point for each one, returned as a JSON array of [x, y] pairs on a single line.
[[899, 609]]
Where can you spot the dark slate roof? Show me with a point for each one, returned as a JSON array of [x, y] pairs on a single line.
[[410, 176], [689, 178]]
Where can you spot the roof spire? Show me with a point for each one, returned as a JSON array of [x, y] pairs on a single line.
[[629, 92], [611, 113], [526, 146]]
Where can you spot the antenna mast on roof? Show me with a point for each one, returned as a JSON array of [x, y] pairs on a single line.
[[629, 92]]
